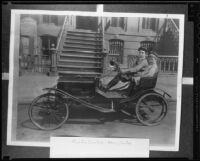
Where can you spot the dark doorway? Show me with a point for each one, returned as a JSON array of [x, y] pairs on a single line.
[[46, 57], [47, 41], [87, 23], [26, 55]]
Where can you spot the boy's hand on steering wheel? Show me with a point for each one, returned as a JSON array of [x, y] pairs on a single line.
[[124, 71]]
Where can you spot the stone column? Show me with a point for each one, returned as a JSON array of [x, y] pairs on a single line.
[[53, 59]]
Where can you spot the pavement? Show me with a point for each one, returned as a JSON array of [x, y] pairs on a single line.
[[84, 122], [31, 85]]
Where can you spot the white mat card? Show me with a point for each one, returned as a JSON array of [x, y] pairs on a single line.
[[83, 147]]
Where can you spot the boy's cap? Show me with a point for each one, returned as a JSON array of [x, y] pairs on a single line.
[[154, 54], [142, 48]]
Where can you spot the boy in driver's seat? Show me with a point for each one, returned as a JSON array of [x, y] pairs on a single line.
[[128, 74]]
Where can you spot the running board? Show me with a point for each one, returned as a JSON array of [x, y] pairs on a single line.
[[89, 105], [124, 112]]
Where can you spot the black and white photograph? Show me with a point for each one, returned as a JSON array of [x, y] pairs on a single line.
[[98, 75]]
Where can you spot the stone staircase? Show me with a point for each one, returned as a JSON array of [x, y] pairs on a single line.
[[80, 59]]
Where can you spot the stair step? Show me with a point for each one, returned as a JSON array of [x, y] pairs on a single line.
[[83, 31], [82, 47], [80, 51], [79, 56], [78, 73], [81, 43], [83, 35], [72, 39], [80, 64], [79, 67], [79, 61], [82, 38]]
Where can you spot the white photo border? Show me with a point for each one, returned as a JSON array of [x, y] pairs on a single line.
[[15, 12]]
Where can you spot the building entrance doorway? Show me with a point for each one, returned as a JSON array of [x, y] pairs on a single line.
[[87, 23], [47, 42], [26, 57]]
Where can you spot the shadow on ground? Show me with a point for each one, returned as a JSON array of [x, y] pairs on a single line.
[[83, 115]]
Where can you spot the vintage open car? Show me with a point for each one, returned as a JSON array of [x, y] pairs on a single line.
[[145, 102]]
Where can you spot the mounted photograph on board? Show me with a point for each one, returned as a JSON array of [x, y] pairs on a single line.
[[98, 75]]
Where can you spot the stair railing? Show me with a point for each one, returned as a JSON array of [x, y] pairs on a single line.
[[159, 34], [100, 25], [173, 24], [168, 25], [107, 25], [173, 28], [101, 32], [61, 33], [57, 51]]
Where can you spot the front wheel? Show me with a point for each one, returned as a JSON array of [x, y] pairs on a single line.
[[48, 111], [151, 108]]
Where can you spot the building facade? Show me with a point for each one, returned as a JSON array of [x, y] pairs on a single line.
[[122, 36], [37, 34]]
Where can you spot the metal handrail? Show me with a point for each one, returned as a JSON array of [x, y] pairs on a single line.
[[159, 32], [107, 25], [102, 27], [176, 27], [168, 64], [164, 25], [167, 56], [63, 27]]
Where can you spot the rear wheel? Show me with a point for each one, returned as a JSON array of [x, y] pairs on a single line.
[[48, 111], [151, 108]]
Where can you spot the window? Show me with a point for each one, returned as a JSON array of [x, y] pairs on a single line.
[[54, 19], [50, 19], [26, 59], [150, 23], [116, 50], [24, 45], [46, 19], [117, 22]]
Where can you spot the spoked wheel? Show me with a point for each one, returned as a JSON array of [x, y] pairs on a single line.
[[151, 108], [48, 111]]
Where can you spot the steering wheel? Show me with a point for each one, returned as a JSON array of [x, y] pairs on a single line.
[[116, 65], [118, 69]]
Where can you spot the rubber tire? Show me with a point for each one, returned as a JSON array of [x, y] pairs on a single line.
[[164, 108], [39, 126]]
